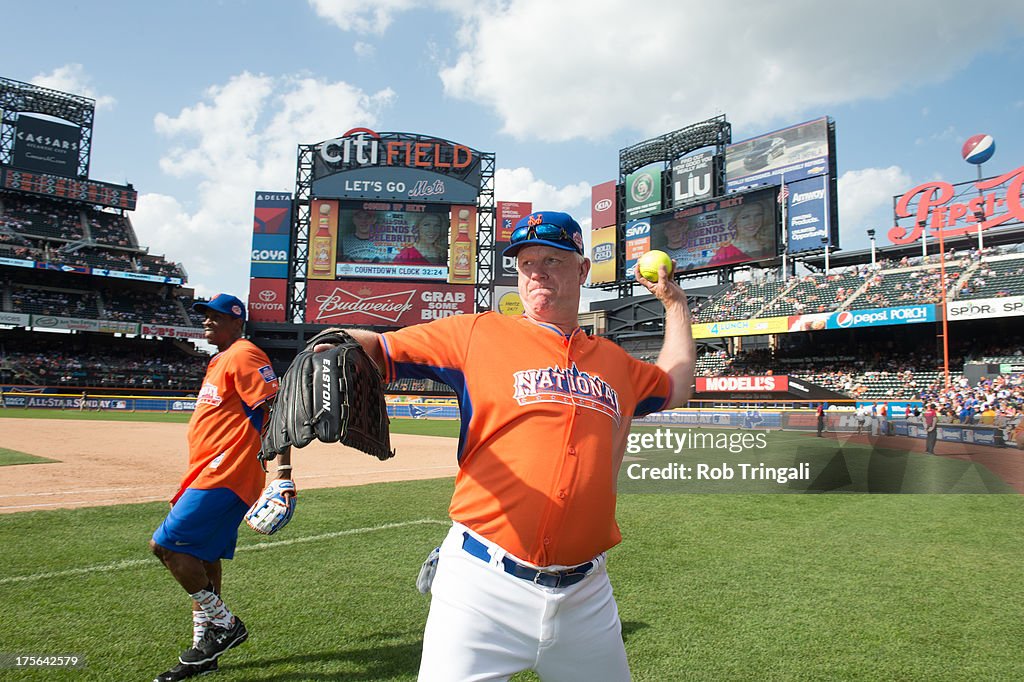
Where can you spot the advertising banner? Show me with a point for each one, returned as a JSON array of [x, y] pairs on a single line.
[[868, 317], [171, 331], [764, 325], [985, 308], [602, 255], [17, 263], [462, 259], [272, 213], [506, 301], [399, 167], [807, 214], [84, 325], [323, 241], [46, 146], [737, 229], [268, 300], [638, 242], [602, 205], [643, 192], [693, 178], [135, 276], [387, 304], [759, 384], [958, 210], [390, 239], [797, 152], [14, 319], [509, 213], [270, 256]]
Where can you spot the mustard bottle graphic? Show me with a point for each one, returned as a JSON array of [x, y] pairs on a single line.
[[322, 243], [462, 249]]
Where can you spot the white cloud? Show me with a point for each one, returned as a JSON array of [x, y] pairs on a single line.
[[364, 50], [73, 78], [240, 138], [667, 63], [865, 202], [519, 184], [359, 16]]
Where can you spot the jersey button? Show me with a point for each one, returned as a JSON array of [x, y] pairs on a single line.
[[571, 451], [561, 495], [547, 541]]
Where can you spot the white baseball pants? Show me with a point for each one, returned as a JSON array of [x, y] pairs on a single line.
[[485, 624]]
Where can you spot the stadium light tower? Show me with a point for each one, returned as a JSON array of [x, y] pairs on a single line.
[[871, 236]]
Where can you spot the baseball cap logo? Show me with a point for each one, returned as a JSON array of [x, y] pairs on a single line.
[[237, 310], [535, 220]]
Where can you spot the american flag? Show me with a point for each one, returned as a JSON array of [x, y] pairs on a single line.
[[783, 193]]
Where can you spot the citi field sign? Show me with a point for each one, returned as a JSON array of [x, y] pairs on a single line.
[[364, 164]]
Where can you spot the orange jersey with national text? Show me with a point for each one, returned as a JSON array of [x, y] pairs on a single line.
[[224, 431], [545, 419]]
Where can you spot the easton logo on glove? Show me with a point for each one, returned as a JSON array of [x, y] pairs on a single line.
[[274, 509], [334, 396]]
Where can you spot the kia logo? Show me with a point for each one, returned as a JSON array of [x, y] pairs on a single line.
[[603, 205], [267, 296]]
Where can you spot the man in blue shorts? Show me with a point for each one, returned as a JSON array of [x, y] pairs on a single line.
[[223, 480]]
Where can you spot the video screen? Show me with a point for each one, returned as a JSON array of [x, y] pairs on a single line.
[[737, 229], [393, 233]]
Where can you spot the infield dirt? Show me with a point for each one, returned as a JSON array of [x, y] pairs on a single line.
[[104, 463]]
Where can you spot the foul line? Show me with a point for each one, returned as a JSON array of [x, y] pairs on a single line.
[[153, 561]]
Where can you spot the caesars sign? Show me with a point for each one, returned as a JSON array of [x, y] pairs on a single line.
[[363, 164], [384, 303]]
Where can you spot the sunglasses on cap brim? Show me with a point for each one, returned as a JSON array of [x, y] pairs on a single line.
[[545, 231]]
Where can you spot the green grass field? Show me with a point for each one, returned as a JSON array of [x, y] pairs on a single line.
[[710, 587], [8, 457]]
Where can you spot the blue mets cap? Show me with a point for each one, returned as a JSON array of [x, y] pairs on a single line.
[[222, 303], [546, 228]]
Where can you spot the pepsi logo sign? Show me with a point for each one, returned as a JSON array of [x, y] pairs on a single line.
[[844, 319], [978, 149]]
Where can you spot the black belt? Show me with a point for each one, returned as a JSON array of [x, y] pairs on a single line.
[[564, 578]]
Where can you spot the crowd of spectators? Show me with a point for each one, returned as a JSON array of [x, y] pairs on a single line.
[[908, 281], [150, 369], [995, 401], [40, 217], [142, 306]]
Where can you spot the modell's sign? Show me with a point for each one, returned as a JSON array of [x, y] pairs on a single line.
[[384, 304], [960, 209], [770, 384], [364, 164]]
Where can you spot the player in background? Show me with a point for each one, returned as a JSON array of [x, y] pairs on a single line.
[[521, 580], [223, 480]]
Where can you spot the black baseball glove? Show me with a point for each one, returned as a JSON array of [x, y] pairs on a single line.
[[335, 395]]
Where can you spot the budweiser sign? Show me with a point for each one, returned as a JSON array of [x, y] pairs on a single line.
[[961, 209], [381, 303], [342, 302]]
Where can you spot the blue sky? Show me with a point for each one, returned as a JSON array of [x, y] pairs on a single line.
[[201, 103]]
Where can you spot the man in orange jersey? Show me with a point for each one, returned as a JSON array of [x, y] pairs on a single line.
[[223, 480], [521, 581]]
